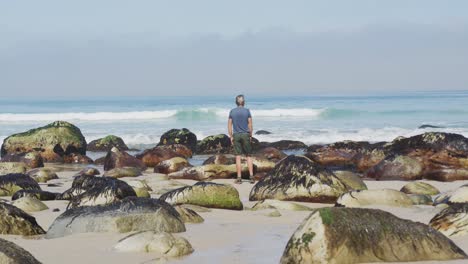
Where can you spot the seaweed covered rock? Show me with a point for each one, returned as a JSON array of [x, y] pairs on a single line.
[[270, 153], [30, 204], [297, 178], [325, 236], [206, 194], [52, 141], [180, 149], [419, 188], [211, 171], [123, 172], [152, 157], [107, 143], [10, 253], [172, 165], [179, 136], [214, 145], [11, 183], [14, 221], [348, 155], [433, 155], [119, 159], [12, 167], [452, 221], [162, 244], [386, 197], [141, 188], [38, 194], [127, 215], [188, 215], [31, 159], [42, 174], [90, 190]]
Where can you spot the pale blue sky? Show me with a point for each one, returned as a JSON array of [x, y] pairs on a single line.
[[223, 47]]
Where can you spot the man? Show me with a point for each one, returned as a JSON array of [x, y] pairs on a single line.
[[240, 131]]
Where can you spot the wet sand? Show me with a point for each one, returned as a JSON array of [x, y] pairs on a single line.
[[225, 236]]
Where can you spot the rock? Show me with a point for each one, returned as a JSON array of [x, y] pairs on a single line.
[[77, 159], [161, 185], [152, 157], [11, 183], [100, 161], [172, 165], [351, 180], [420, 199], [459, 195], [297, 178], [452, 221], [221, 159], [141, 188], [325, 236], [397, 168], [160, 243], [12, 167], [429, 126], [347, 155], [287, 145], [107, 143], [179, 149], [14, 221], [42, 174], [123, 172], [270, 153], [211, 195], [275, 213], [208, 172], [214, 145], [280, 205], [119, 159], [386, 197], [30, 204], [52, 141], [128, 215], [196, 208], [189, 215], [262, 132], [88, 171], [30, 159], [90, 191], [260, 164], [179, 136], [38, 194], [419, 188], [10, 253]]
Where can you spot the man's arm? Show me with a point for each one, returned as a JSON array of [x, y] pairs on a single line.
[[230, 128], [250, 127]]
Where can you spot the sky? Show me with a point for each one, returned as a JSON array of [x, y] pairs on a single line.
[[211, 47]]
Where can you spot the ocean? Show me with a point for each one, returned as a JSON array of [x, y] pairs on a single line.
[[140, 121]]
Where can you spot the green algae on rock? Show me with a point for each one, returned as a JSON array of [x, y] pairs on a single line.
[[179, 136], [10, 253], [11, 183], [14, 221], [107, 143]]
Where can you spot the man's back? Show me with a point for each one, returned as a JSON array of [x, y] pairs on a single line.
[[240, 119]]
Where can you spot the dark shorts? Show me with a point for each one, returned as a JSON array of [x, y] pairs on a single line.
[[242, 145]]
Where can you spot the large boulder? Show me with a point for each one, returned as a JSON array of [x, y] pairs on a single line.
[[12, 167], [91, 190], [128, 215], [11, 183], [206, 194], [38, 194], [53, 141], [270, 153], [179, 136], [452, 221], [42, 174], [152, 157], [351, 180], [297, 178], [357, 235], [105, 144], [348, 155], [209, 172], [180, 149], [10, 253], [160, 243], [214, 145], [119, 159], [31, 159], [419, 188], [433, 155], [172, 165], [386, 197], [14, 221]]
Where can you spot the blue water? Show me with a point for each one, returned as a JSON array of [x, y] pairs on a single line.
[[322, 119]]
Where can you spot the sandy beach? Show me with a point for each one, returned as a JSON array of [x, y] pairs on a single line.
[[226, 236]]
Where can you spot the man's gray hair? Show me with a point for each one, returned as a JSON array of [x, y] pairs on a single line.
[[240, 100]]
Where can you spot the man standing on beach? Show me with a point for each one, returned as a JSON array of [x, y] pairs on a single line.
[[240, 131]]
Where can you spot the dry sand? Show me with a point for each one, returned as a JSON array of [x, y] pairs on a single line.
[[225, 236]]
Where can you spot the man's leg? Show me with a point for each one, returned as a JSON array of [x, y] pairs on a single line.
[[239, 167], [250, 165]]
